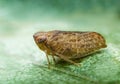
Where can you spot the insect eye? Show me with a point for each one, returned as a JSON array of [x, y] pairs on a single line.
[[41, 40]]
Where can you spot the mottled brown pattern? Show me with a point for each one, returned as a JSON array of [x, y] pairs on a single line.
[[69, 44]]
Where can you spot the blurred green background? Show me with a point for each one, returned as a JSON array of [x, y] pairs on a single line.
[[21, 62]]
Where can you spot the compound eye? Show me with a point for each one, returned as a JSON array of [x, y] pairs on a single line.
[[41, 40]]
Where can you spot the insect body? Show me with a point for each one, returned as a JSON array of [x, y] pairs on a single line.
[[69, 44]]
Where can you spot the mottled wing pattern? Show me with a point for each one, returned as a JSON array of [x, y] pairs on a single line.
[[75, 44]]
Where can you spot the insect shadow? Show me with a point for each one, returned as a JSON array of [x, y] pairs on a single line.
[[62, 63]]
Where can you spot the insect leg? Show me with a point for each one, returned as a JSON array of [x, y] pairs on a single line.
[[66, 59], [48, 60], [54, 59]]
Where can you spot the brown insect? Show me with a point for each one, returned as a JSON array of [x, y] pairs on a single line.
[[69, 44]]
